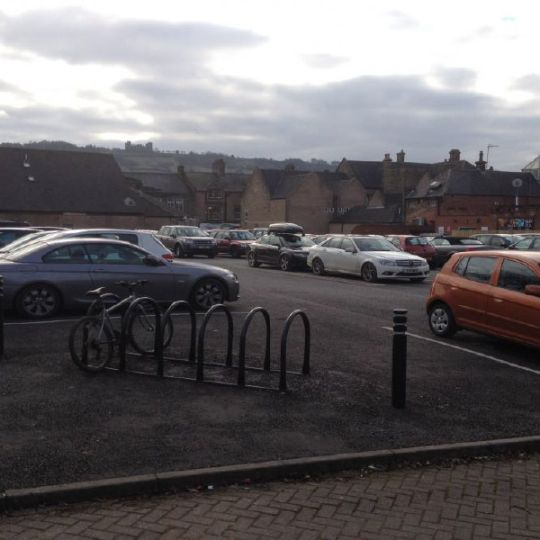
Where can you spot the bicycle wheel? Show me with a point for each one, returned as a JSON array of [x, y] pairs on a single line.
[[91, 344], [142, 330]]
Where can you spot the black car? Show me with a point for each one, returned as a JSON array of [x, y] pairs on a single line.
[[287, 250], [446, 246]]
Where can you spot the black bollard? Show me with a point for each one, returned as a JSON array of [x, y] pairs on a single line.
[[1, 317], [399, 359]]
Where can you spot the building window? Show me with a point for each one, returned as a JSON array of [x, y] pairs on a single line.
[[237, 212], [176, 205]]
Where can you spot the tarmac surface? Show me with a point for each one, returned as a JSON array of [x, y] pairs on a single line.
[[477, 499]]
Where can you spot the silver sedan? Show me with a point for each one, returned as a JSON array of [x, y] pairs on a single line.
[[48, 276]]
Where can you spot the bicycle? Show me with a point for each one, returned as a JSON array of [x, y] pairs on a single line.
[[93, 337]]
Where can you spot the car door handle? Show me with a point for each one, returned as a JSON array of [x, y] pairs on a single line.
[[499, 300], [98, 270]]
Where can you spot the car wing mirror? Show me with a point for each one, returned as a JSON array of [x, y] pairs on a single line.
[[533, 290], [349, 250]]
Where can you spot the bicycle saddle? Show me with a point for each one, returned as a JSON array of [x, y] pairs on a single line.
[[96, 292]]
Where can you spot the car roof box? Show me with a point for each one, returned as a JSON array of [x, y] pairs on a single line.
[[285, 228]]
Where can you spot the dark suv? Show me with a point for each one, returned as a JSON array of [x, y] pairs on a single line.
[[283, 246], [186, 241]]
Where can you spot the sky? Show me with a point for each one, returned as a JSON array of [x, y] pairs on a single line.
[[276, 78]]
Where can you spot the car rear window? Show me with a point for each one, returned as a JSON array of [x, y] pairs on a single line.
[[416, 241]]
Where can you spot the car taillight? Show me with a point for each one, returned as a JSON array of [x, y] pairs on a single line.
[[168, 257]]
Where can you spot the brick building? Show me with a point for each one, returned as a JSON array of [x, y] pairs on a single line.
[[310, 199], [71, 189], [467, 197]]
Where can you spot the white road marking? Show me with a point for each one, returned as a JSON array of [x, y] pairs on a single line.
[[476, 353]]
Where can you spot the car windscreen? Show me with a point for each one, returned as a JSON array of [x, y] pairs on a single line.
[[241, 235], [417, 241], [374, 244], [191, 231], [24, 250], [470, 242]]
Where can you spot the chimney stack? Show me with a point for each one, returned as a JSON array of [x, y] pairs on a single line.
[[400, 156], [218, 167], [481, 164], [454, 155], [387, 157]]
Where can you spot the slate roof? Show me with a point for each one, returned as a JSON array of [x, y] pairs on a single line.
[[474, 182], [231, 182], [67, 182], [370, 173], [363, 214], [162, 182]]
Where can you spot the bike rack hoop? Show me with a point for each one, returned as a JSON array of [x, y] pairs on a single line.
[[283, 355], [243, 338], [193, 318]]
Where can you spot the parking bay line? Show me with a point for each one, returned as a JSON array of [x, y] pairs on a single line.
[[476, 353]]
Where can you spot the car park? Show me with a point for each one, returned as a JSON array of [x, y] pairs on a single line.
[[369, 256], [492, 292], [446, 246], [497, 240], [48, 276], [10, 234], [234, 242], [283, 246], [417, 245], [187, 241], [528, 243], [145, 239]]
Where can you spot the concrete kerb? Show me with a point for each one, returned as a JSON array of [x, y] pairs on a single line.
[[148, 484]]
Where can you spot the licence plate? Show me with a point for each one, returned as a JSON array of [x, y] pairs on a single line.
[[411, 270]]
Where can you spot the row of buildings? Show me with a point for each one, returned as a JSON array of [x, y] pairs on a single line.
[[84, 189]]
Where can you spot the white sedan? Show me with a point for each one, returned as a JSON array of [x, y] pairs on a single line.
[[371, 257]]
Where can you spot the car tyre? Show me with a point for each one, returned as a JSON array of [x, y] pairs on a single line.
[[317, 267], [38, 301], [211, 255], [207, 293], [284, 263], [252, 260], [235, 253], [441, 320], [369, 273], [178, 251]]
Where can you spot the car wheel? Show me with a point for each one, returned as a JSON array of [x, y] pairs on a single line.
[[369, 273], [252, 260], [211, 255], [441, 320], [207, 293], [38, 301], [284, 263], [178, 251], [235, 253], [317, 267]]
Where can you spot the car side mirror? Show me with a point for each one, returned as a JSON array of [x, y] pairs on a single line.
[[226, 237], [349, 250], [533, 290], [173, 235]]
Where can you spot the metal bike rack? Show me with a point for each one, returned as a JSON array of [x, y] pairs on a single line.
[[193, 318], [283, 355]]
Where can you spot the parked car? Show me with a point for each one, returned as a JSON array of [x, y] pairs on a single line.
[[259, 231], [446, 246], [529, 243], [187, 241], [371, 257], [146, 240], [21, 241], [417, 245], [493, 292], [234, 242], [10, 234], [47, 276], [496, 240], [282, 247]]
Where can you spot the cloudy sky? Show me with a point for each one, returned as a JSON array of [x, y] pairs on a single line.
[[276, 78]]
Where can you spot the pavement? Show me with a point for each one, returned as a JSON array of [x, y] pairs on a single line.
[[479, 498]]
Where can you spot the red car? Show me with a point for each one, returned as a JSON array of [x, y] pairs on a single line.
[[235, 242], [417, 245]]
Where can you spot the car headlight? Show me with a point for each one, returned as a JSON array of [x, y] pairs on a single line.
[[387, 262]]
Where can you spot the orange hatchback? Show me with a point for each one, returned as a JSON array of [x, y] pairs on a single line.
[[493, 292]]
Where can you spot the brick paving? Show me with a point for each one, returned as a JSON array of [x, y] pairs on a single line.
[[495, 499]]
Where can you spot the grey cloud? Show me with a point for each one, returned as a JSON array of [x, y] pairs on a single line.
[[78, 36], [456, 78], [529, 83], [323, 61], [361, 118]]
